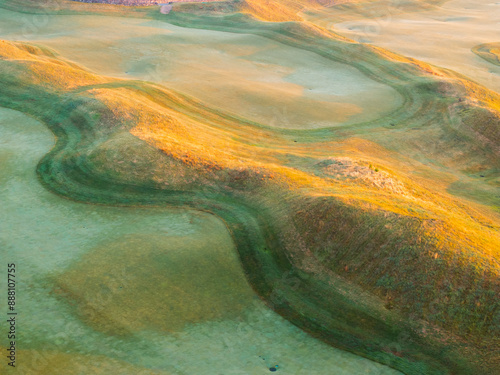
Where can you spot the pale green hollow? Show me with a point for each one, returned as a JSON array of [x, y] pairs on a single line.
[[254, 77]]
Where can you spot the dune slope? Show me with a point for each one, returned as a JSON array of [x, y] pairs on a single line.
[[319, 216], [488, 51], [355, 234]]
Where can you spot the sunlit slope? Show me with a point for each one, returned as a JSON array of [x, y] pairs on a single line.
[[316, 10], [322, 205], [489, 51], [264, 10], [278, 10], [453, 123]]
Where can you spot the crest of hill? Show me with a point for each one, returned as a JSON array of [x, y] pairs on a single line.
[[330, 207], [44, 68], [488, 51]]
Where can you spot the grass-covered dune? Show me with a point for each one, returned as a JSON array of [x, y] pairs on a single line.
[[488, 51], [347, 232]]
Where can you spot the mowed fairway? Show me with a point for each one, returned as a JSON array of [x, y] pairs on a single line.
[[251, 76]]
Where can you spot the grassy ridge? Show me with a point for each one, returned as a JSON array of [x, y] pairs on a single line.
[[489, 51], [271, 218]]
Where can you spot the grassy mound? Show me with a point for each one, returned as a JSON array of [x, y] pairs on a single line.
[[488, 51], [338, 230]]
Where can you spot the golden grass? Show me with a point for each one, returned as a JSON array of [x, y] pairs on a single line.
[[208, 148], [273, 11], [488, 51], [199, 145], [294, 10], [46, 69], [211, 143]]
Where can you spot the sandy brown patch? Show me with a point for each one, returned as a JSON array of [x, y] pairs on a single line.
[[46, 362], [155, 282]]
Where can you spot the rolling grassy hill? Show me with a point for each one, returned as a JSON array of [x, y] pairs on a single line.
[[489, 51], [351, 233]]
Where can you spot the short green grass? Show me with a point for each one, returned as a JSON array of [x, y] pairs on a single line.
[[423, 314]]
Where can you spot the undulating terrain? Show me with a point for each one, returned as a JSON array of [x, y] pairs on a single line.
[[244, 186]]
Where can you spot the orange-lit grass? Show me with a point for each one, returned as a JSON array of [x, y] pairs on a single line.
[[199, 145], [488, 51], [46, 69], [211, 142], [276, 171]]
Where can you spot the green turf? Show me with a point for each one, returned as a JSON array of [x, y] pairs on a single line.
[[261, 222]]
